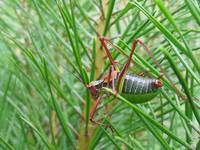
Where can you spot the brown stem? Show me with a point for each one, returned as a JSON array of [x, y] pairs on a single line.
[[84, 140]]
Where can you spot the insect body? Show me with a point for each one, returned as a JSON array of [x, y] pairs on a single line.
[[136, 89]]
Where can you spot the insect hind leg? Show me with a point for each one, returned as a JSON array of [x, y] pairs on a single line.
[[103, 41], [126, 66], [113, 69], [163, 72]]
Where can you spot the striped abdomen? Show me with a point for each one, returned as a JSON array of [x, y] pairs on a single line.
[[135, 89], [138, 85]]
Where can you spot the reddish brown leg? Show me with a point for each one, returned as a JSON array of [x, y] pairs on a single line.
[[143, 73], [109, 75], [162, 71], [123, 73], [135, 42], [103, 42], [112, 62], [113, 79], [94, 110]]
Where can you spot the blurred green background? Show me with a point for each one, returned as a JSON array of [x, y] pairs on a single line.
[[49, 51]]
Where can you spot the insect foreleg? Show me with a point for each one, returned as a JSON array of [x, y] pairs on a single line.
[[93, 112], [94, 109]]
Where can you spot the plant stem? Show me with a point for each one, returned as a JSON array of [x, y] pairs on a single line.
[[84, 140]]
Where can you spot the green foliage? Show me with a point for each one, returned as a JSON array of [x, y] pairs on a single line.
[[48, 53]]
